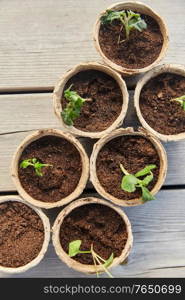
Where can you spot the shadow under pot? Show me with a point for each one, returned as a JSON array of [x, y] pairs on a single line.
[[160, 102], [24, 235], [50, 168], [130, 37], [90, 100], [128, 167], [91, 236]]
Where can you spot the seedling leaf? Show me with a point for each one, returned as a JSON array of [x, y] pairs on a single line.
[[25, 163], [109, 261], [146, 195], [139, 25], [129, 19], [36, 164], [147, 179], [110, 16], [180, 100], [73, 108], [145, 171], [128, 183], [74, 247]]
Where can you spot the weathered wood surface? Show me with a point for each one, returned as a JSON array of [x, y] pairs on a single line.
[[24, 113], [37, 47], [159, 242]]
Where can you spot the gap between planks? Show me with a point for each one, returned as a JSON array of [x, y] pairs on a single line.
[[90, 191]]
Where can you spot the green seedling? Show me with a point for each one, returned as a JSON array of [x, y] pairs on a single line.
[[129, 20], [131, 181], [74, 249], [73, 108], [180, 100], [33, 162]]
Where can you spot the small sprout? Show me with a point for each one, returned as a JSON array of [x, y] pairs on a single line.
[[74, 249], [33, 162], [131, 181], [145, 171], [73, 108], [129, 19], [180, 100]]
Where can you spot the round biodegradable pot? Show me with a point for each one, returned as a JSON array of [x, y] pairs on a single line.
[[46, 227], [72, 263], [166, 68], [59, 89], [83, 158], [120, 133], [142, 9]]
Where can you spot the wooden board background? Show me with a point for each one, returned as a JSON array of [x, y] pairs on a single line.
[[36, 49]]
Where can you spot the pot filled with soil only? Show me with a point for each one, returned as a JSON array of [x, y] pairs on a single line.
[[52, 168], [130, 37], [24, 235], [160, 102], [92, 235], [90, 100], [128, 167]]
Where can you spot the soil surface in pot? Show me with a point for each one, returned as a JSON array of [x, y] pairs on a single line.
[[104, 103], [142, 48], [21, 234], [134, 153], [165, 116], [94, 224], [57, 181]]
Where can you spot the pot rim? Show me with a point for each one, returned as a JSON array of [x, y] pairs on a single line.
[[35, 136], [120, 132], [72, 263], [164, 68], [46, 225], [143, 8], [58, 91]]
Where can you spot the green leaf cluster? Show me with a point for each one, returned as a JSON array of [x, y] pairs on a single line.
[[33, 162], [131, 181], [180, 100], [74, 249], [73, 108], [129, 19]]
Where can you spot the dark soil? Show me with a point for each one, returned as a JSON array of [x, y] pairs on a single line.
[[58, 181], [105, 100], [94, 224], [21, 234], [142, 48], [134, 153], [163, 115]]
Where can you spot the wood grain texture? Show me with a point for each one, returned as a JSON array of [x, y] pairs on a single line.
[[159, 242], [39, 46], [26, 112]]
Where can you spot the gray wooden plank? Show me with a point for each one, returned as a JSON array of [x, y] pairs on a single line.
[[26, 112], [38, 47], [22, 112], [159, 242]]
